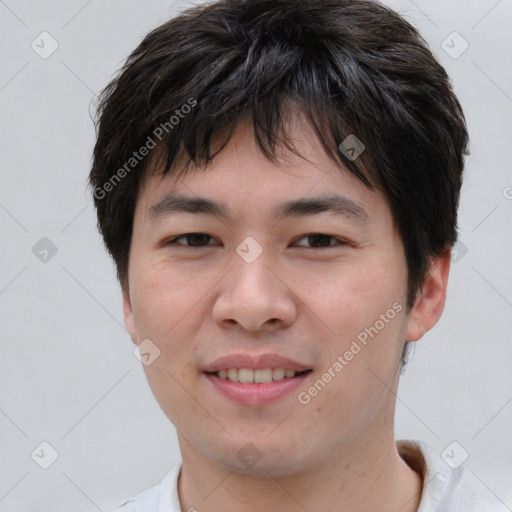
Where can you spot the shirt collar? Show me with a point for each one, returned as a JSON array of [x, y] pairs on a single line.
[[435, 472]]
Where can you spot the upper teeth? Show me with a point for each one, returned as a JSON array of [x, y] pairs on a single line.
[[258, 376]]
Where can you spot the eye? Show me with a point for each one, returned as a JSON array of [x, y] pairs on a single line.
[[196, 238], [322, 240], [318, 240]]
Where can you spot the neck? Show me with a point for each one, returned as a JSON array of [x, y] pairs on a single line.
[[368, 475]]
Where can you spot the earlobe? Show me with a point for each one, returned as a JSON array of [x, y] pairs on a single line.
[[128, 316], [430, 302]]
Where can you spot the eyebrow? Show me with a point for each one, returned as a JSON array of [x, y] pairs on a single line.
[[333, 203]]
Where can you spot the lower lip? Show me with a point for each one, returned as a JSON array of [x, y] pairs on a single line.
[[253, 393]]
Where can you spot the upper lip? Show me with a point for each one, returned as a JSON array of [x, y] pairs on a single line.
[[254, 362]]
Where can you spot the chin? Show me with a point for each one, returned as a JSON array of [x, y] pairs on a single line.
[[265, 467], [260, 457]]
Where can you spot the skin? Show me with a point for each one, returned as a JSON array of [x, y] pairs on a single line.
[[298, 299]]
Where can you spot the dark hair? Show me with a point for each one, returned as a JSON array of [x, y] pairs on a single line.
[[350, 66]]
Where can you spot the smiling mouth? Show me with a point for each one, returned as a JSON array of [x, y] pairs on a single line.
[[260, 376]]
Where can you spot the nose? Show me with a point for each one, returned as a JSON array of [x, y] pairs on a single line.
[[256, 297]]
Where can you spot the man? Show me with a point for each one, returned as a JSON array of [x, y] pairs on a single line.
[[278, 182]]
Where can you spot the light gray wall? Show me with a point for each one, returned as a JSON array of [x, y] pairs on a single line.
[[68, 376]]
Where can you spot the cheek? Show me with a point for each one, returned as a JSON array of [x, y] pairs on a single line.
[[360, 315], [162, 296], [350, 297], [164, 313]]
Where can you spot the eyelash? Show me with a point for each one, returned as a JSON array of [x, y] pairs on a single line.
[[340, 240]]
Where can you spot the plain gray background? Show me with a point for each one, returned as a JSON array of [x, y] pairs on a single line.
[[68, 375]]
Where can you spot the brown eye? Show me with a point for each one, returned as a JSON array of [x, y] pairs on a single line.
[[194, 239], [319, 240]]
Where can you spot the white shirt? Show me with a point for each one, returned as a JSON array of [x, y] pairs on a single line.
[[445, 489]]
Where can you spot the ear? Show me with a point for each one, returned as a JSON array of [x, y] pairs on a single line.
[[128, 316], [429, 304]]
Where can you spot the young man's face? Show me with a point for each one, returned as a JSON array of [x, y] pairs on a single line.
[[304, 298]]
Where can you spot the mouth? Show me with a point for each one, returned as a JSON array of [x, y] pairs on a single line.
[[258, 376], [258, 387], [255, 379]]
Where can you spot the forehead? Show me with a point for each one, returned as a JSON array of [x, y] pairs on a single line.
[[241, 179]]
